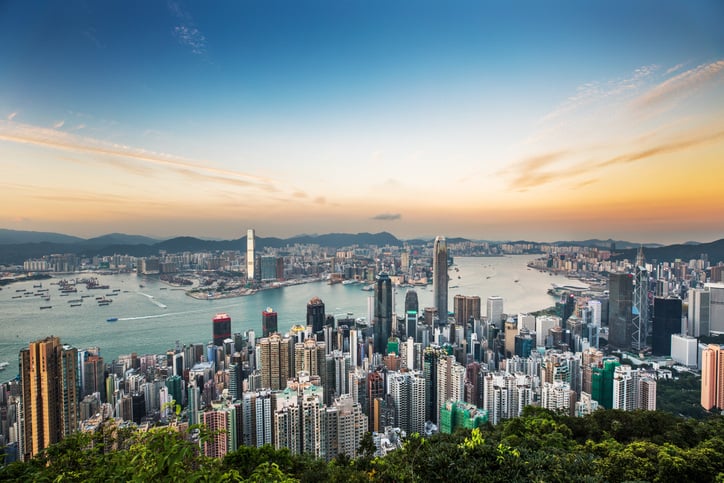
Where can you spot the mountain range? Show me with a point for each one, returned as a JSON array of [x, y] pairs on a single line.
[[17, 246]]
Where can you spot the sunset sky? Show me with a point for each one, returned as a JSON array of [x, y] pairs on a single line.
[[541, 120]]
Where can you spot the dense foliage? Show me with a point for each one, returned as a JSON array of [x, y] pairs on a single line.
[[539, 446]]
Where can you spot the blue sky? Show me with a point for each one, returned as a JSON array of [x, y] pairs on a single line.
[[482, 119]]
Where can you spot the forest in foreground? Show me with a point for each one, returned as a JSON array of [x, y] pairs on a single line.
[[608, 445]]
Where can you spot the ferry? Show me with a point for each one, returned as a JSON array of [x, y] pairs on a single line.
[[102, 303], [17, 296], [111, 319], [75, 305], [46, 307]]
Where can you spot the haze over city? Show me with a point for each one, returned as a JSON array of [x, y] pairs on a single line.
[[479, 119]]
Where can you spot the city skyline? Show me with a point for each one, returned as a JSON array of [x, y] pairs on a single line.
[[478, 120]]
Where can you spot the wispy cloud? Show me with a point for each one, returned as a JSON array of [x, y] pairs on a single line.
[[594, 91], [550, 168], [673, 69], [12, 115], [186, 32], [387, 216], [680, 85], [105, 152], [59, 124], [91, 35]]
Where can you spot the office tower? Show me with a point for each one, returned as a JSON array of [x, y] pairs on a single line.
[[268, 322], [684, 350], [495, 309], [640, 304], [383, 312], [466, 309], [511, 331], [716, 307], [49, 394], [274, 359], [595, 306], [712, 377], [667, 322], [411, 302], [439, 280], [315, 314], [543, 324], [698, 324], [250, 255], [620, 328], [268, 268], [221, 328]]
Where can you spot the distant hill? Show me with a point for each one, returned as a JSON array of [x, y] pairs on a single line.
[[620, 244], [18, 236], [121, 239], [685, 251], [139, 246]]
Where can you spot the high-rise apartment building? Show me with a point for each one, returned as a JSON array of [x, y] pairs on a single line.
[[620, 325], [383, 313], [439, 280], [221, 325], [275, 361], [716, 307], [250, 255], [712, 377], [49, 411]]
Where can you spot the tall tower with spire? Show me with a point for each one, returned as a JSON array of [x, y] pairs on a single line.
[[439, 277], [640, 306]]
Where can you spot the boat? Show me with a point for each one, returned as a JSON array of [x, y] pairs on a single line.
[[46, 307], [4, 365], [75, 305], [40, 285], [75, 301], [17, 296], [20, 290], [111, 319], [516, 281], [102, 303], [116, 289]]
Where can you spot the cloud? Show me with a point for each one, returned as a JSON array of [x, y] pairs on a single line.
[[299, 194], [186, 32], [105, 151], [594, 91], [387, 216], [680, 85], [191, 37], [661, 149], [12, 115], [539, 170], [59, 124], [90, 34], [673, 69], [320, 200]]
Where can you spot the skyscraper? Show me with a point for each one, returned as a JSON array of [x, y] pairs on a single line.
[[268, 322], [411, 302], [315, 314], [439, 280], [495, 309], [49, 394], [712, 377], [383, 312], [221, 328], [620, 328], [250, 255], [667, 322]]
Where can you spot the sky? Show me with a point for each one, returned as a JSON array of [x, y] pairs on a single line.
[[497, 120]]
